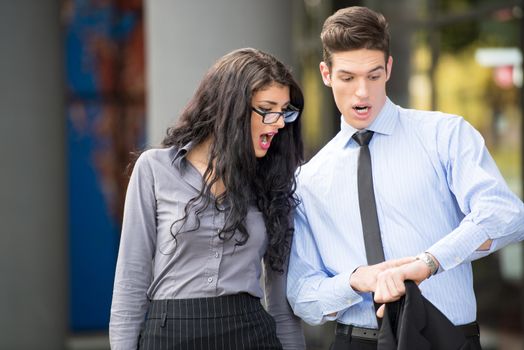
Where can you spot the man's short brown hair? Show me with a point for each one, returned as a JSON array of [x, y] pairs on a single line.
[[354, 28]]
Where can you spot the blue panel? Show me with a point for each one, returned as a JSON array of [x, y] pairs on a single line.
[[96, 33], [93, 233]]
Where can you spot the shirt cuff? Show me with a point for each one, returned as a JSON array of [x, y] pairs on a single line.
[[343, 296], [457, 247]]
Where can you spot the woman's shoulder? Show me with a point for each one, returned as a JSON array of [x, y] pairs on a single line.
[[155, 157], [158, 154]]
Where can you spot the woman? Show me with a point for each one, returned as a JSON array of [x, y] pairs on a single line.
[[204, 211]]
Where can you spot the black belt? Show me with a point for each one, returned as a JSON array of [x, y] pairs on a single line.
[[356, 332], [469, 330]]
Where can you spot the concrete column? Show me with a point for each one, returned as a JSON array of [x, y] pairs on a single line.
[[185, 37], [33, 264]]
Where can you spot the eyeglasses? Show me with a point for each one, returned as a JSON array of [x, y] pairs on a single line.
[[290, 114]]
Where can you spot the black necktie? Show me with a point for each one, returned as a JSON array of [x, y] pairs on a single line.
[[366, 200]]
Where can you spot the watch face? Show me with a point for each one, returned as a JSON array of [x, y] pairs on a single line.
[[429, 262]]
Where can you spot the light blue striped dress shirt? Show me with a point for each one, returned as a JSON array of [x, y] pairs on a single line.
[[437, 190]]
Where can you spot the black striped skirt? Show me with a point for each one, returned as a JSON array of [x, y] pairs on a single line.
[[226, 322]]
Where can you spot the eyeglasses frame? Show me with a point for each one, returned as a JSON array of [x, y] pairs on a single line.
[[289, 108]]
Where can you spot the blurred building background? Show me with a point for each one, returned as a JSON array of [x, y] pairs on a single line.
[[85, 82]]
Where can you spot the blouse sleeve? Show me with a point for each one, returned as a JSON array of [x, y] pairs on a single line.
[[289, 326], [134, 265]]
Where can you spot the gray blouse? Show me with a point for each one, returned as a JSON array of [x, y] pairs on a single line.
[[153, 265]]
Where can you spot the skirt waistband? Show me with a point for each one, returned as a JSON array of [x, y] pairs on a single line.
[[220, 306]]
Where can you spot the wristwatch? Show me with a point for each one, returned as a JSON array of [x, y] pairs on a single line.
[[429, 261]]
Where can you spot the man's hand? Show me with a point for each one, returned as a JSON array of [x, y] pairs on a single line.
[[390, 282], [364, 278]]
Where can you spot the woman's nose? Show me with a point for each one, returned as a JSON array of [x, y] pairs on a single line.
[[280, 123]]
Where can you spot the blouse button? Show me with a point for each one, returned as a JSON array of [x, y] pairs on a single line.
[[209, 279]]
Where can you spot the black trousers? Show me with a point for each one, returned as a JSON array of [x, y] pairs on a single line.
[[344, 343], [228, 322]]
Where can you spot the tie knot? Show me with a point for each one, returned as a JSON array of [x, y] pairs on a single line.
[[363, 137]]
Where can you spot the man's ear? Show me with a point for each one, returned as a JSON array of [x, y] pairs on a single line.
[[324, 72], [388, 66]]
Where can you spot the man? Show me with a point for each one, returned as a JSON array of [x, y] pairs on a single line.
[[438, 196]]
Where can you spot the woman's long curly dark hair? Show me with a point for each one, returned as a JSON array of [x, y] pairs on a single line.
[[221, 109]]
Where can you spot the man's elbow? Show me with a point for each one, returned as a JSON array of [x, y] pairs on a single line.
[[306, 314], [486, 245]]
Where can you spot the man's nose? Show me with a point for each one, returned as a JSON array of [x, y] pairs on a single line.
[[362, 89]]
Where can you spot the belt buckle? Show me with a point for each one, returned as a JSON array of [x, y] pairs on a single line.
[[342, 329]]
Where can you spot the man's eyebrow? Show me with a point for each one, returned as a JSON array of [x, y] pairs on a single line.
[[377, 68], [343, 71]]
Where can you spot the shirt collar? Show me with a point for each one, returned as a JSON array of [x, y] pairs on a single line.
[[384, 123], [178, 154]]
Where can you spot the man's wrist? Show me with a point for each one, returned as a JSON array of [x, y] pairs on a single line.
[[351, 280], [430, 262]]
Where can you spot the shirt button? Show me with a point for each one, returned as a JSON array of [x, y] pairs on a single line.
[[209, 279], [217, 255]]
